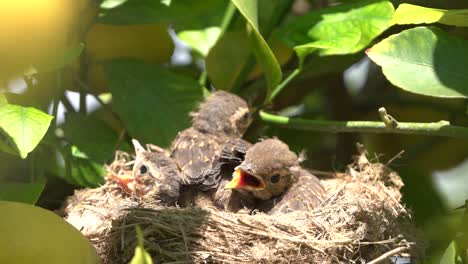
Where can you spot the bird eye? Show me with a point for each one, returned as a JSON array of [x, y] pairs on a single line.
[[245, 116], [275, 178], [143, 169]]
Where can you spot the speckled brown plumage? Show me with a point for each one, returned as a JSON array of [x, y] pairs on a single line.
[[196, 150]]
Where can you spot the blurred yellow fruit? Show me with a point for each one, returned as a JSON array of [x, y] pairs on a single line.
[[30, 234], [149, 42], [97, 78], [30, 31]]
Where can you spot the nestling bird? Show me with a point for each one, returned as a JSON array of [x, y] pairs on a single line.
[[222, 118], [155, 175], [271, 173]]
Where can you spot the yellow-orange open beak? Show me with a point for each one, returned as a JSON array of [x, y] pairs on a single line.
[[244, 180], [125, 181]]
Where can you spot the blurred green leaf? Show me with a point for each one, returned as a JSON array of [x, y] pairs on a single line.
[[425, 61], [79, 169], [109, 4], [59, 59], [99, 144], [153, 103], [3, 100], [450, 254], [263, 53], [342, 29], [21, 191], [141, 256], [201, 40], [181, 14], [232, 47], [413, 14], [26, 126]]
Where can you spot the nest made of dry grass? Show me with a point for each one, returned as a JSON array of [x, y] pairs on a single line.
[[361, 220]]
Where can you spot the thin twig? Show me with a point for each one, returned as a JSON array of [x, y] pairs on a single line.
[[397, 156], [441, 128], [388, 254], [283, 84]]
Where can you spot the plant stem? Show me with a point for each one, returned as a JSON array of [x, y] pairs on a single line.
[[283, 84], [441, 128]]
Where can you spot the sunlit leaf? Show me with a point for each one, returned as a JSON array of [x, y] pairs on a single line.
[[140, 256], [450, 254], [3, 100], [109, 4], [346, 29], [79, 169], [153, 103], [413, 14], [425, 61], [303, 50], [21, 191], [25, 126], [263, 53], [201, 40]]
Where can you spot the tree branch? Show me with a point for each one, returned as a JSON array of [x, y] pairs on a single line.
[[441, 128]]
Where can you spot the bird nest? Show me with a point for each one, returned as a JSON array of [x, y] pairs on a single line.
[[360, 220]]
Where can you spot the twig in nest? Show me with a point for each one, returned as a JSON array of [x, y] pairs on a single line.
[[389, 254], [397, 156]]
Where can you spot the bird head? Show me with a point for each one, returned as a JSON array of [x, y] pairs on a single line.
[[267, 170], [222, 113], [155, 174]]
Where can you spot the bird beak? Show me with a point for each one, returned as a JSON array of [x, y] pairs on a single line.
[[244, 180], [126, 182], [138, 147]]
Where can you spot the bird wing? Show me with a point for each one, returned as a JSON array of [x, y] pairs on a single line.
[[305, 194], [234, 150], [195, 152]]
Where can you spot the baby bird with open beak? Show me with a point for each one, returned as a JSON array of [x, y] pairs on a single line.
[[271, 173]]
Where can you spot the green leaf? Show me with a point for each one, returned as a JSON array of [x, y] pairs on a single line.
[[79, 169], [181, 14], [201, 40], [233, 46], [141, 256], [21, 191], [153, 103], [109, 4], [3, 100], [263, 53], [98, 145], [26, 126], [413, 14], [303, 50], [59, 59], [425, 61], [346, 28], [450, 254]]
